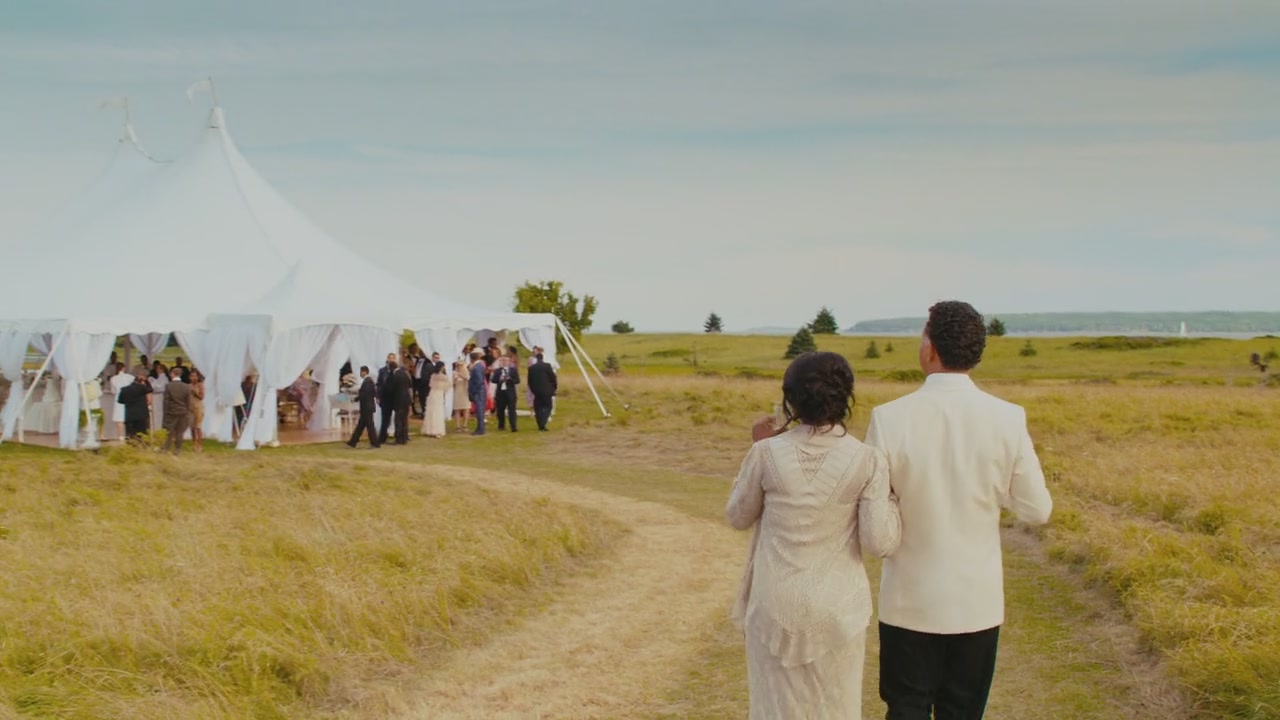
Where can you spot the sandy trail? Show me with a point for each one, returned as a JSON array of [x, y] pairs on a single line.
[[615, 638]]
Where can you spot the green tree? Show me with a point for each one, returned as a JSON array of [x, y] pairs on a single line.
[[996, 327], [873, 352], [612, 366], [1028, 350], [549, 296], [802, 342], [824, 323], [713, 324], [888, 347], [622, 327]]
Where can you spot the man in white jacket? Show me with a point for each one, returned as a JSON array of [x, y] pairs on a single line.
[[957, 456]]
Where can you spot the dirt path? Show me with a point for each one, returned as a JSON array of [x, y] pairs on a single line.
[[608, 646]]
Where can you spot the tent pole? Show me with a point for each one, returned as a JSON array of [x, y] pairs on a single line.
[[599, 374], [581, 367], [26, 396]]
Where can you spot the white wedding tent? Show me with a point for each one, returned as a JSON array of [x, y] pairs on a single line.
[[204, 248]]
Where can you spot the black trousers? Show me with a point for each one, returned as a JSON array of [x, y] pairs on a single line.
[[504, 406], [365, 424], [542, 410], [421, 389], [386, 423], [936, 677], [402, 422], [137, 426]]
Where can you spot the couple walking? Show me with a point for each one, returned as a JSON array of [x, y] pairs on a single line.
[[925, 492]]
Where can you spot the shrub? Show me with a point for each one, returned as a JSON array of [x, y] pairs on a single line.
[[612, 366], [1028, 350], [888, 347], [872, 352], [996, 327], [824, 323], [622, 327], [802, 342]]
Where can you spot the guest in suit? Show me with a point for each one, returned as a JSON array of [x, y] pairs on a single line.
[[417, 362], [956, 457], [387, 397], [186, 371], [177, 410], [137, 409], [143, 366], [542, 382], [368, 396], [505, 379], [400, 393], [384, 405], [478, 390]]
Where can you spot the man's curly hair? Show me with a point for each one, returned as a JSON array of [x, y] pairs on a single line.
[[958, 334], [817, 389]]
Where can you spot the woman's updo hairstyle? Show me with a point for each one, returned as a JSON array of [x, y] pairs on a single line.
[[817, 389]]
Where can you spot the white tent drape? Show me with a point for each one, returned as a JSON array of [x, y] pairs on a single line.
[[150, 344], [287, 356], [543, 337], [13, 350], [443, 341], [79, 358], [325, 371], [369, 346], [234, 350]]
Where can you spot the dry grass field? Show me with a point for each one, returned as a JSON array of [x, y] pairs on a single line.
[[590, 568], [232, 586]]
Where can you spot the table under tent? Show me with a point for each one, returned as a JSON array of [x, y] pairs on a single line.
[[250, 286]]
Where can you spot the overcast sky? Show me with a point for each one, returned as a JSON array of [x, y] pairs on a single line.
[[758, 159]]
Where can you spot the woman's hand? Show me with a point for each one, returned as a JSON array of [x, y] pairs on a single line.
[[765, 429]]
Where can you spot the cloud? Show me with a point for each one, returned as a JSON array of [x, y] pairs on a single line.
[[763, 159]]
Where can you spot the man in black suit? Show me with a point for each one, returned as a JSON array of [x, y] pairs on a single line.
[[385, 403], [542, 383], [400, 395], [368, 396], [137, 411], [506, 376]]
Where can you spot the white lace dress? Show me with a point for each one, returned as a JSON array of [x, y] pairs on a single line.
[[816, 500]]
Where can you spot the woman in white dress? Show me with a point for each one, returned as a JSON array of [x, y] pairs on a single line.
[[440, 384], [816, 497], [119, 381]]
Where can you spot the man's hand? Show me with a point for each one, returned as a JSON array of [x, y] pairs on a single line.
[[764, 429]]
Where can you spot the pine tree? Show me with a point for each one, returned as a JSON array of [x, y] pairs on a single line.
[[612, 366], [713, 324], [996, 327], [801, 343], [873, 352], [1028, 350], [888, 347], [824, 323]]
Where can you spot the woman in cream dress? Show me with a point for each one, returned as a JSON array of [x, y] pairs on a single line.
[[440, 383], [817, 498]]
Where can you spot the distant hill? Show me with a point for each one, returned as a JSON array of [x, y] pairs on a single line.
[[1111, 322]]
